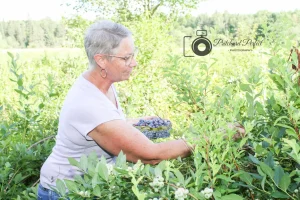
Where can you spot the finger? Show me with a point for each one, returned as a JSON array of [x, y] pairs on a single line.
[[241, 131]]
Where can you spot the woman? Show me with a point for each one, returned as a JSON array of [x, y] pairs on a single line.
[[91, 118]]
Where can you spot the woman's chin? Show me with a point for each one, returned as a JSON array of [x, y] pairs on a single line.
[[126, 76]]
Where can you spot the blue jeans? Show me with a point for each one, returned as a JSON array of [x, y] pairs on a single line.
[[46, 194]]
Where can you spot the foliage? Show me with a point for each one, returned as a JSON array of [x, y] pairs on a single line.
[[125, 10], [32, 34], [68, 31], [27, 127], [258, 89]]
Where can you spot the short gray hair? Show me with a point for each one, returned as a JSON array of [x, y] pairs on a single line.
[[103, 37]]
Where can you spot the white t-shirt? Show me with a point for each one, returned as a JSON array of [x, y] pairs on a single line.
[[84, 108]]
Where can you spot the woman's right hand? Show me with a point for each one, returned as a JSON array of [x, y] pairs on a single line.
[[240, 130]]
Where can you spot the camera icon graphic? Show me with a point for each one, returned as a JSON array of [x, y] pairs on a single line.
[[198, 41]]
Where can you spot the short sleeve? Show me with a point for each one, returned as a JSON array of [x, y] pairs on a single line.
[[86, 119]]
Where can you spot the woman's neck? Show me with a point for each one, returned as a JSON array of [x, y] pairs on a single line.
[[103, 84]]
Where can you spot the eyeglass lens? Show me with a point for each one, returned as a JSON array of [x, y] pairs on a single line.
[[128, 61]]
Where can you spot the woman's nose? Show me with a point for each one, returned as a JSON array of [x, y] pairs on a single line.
[[133, 62]]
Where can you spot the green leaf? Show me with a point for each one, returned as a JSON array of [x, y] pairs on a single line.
[[278, 81], [279, 119], [245, 88], [79, 179], [92, 157], [95, 180], [20, 82], [41, 105], [18, 178], [179, 176], [265, 144], [21, 93], [285, 182], [97, 191], [258, 94], [217, 194], [157, 171], [294, 58], [84, 163], [281, 133], [291, 133], [61, 187], [279, 173], [162, 165], [249, 99], [121, 171], [246, 178], [242, 142], [101, 168], [279, 195], [187, 181], [225, 178], [71, 185], [10, 55], [232, 197], [260, 109], [269, 160], [215, 168], [293, 144], [266, 169], [92, 162], [263, 181], [121, 160], [288, 127], [73, 162], [254, 159]]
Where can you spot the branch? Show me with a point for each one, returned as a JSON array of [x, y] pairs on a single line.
[[36, 182], [155, 8], [43, 140]]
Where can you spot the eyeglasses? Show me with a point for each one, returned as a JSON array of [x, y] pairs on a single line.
[[127, 59]]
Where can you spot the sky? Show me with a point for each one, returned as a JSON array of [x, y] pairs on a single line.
[[247, 6], [38, 9]]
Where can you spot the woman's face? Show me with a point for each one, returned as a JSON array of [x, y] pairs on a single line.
[[117, 68]]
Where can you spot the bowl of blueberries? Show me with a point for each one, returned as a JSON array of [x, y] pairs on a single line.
[[154, 128]]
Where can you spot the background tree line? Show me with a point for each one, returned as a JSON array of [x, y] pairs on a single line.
[[68, 32], [32, 34]]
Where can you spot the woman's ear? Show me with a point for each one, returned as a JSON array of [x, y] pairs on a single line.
[[100, 60]]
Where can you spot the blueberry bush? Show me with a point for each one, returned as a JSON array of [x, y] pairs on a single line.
[[258, 89]]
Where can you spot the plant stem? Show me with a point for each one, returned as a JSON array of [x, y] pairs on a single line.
[[43, 140], [11, 179], [207, 158]]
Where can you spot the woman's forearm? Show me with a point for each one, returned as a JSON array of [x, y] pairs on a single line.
[[171, 150]]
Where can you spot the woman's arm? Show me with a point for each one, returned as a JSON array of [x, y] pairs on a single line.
[[117, 135]]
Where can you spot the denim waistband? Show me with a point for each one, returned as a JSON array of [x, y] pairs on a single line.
[[43, 188]]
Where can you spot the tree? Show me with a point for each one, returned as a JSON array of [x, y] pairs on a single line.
[[3, 43], [48, 27], [20, 34], [125, 10]]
